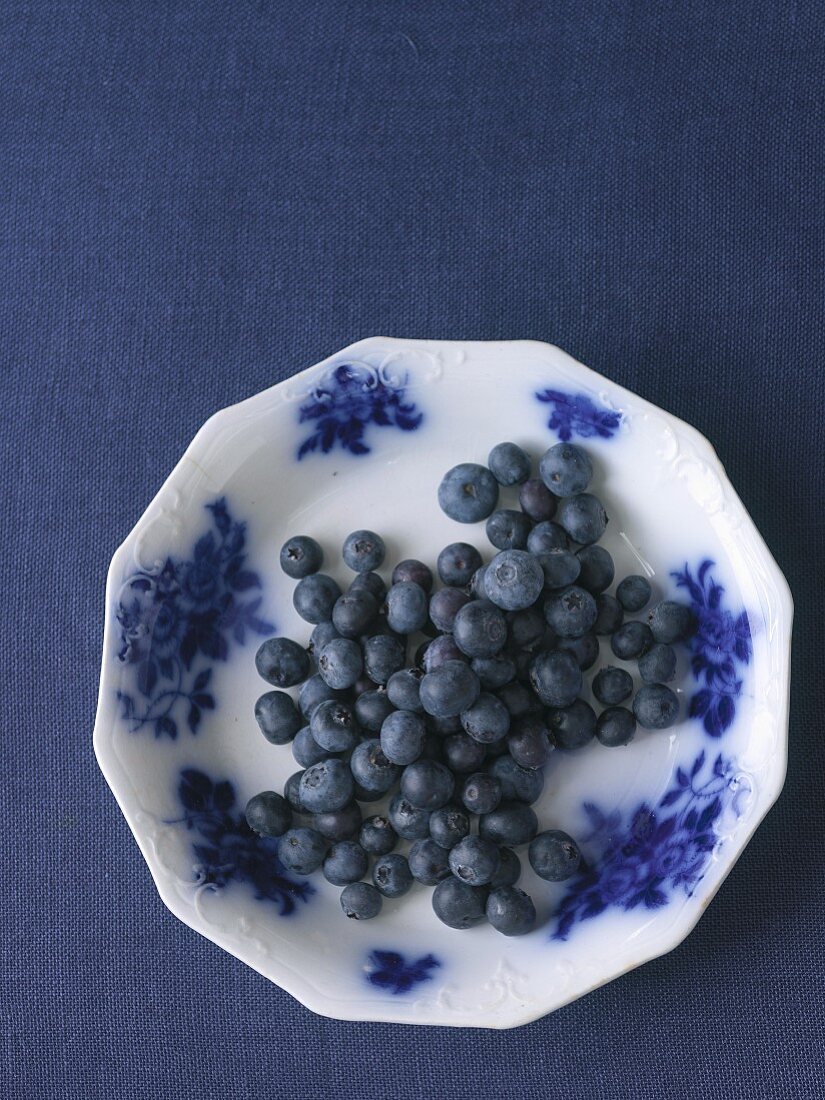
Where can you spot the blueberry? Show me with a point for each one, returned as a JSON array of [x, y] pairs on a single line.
[[448, 825], [360, 901], [631, 640], [364, 794], [559, 567], [444, 726], [383, 655], [497, 749], [612, 686], [658, 665], [597, 569], [433, 748], [493, 672], [670, 622], [449, 690], [334, 727], [326, 786], [508, 464], [340, 663], [633, 593], [480, 629], [372, 583], [301, 556], [510, 823], [445, 605], [584, 649], [371, 709], [340, 824], [509, 869], [523, 659], [345, 862], [475, 860], [481, 793], [525, 628], [655, 707], [404, 689], [391, 875], [476, 585], [411, 571], [268, 814], [427, 785], [513, 580], [459, 905], [457, 562], [571, 612], [409, 821], [510, 911], [517, 784], [609, 614], [292, 791], [518, 699], [353, 613], [428, 862], [529, 742], [615, 726], [468, 493], [301, 850], [313, 692], [402, 737], [572, 726], [547, 536], [282, 662], [583, 517], [321, 634], [306, 749], [487, 720], [462, 753], [508, 529], [370, 766], [439, 651], [377, 836], [363, 551], [278, 717], [554, 855], [407, 609], [556, 678], [314, 597], [536, 500], [566, 469]]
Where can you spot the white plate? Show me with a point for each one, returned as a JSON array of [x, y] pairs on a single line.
[[362, 440]]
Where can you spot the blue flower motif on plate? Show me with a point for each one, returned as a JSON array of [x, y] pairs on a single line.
[[226, 850], [721, 646], [576, 414], [649, 856], [174, 624], [352, 397], [391, 971]]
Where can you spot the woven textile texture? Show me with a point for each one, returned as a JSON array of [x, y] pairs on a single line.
[[199, 198]]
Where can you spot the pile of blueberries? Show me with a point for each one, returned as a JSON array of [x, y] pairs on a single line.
[[451, 701]]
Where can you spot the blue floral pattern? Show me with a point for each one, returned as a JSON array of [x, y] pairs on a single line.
[[350, 399], [644, 859], [577, 414], [225, 848], [391, 971], [720, 646], [175, 624]]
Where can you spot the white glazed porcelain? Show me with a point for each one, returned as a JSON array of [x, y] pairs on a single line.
[[362, 440]]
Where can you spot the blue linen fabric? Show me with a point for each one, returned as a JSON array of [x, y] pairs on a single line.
[[199, 198]]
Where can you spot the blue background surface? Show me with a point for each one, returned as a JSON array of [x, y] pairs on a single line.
[[196, 200]]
